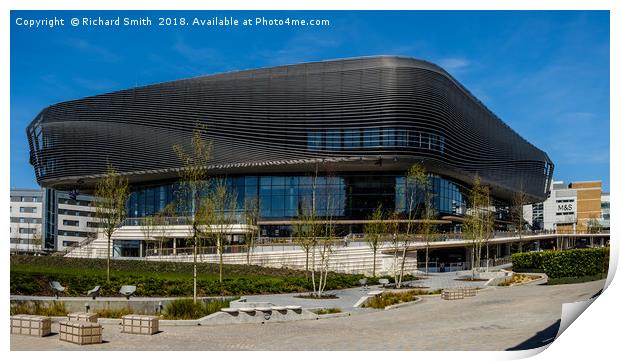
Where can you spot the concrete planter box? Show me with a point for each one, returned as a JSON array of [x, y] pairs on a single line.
[[140, 324], [83, 316], [80, 332], [31, 325], [469, 292], [452, 294]]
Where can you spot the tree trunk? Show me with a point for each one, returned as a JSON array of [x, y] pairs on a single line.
[[473, 262], [487, 256], [313, 268], [374, 262], [220, 249], [195, 273], [247, 261], [426, 259], [395, 261], [307, 256], [108, 267], [402, 267]]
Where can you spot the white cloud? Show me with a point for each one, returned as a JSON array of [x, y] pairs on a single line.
[[97, 51], [453, 64], [96, 85], [195, 54]]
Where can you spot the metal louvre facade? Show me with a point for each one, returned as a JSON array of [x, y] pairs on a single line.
[[376, 114]]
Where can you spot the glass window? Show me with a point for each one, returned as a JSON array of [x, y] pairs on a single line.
[[315, 140], [332, 141], [389, 137], [402, 136], [351, 138], [424, 141], [372, 138], [415, 140], [265, 184]]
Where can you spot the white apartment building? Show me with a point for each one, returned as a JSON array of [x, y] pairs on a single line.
[[70, 220], [26, 220], [570, 208], [605, 211], [560, 209], [45, 219]]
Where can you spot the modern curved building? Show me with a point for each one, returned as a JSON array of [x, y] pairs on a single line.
[[363, 121]]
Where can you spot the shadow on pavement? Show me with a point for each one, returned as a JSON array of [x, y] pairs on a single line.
[[541, 338]]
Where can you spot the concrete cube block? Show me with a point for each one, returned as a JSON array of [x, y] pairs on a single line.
[[140, 324], [83, 316], [80, 332], [31, 325]]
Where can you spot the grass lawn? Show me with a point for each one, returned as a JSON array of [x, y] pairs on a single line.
[[31, 275]]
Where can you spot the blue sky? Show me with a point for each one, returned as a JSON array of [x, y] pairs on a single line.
[[546, 74]]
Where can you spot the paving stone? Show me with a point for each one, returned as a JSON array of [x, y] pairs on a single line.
[[484, 322]]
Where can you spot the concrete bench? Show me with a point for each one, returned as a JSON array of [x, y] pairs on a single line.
[[80, 332], [31, 325], [230, 310], [263, 309], [247, 309], [279, 308], [452, 294], [294, 308], [375, 293], [82, 316], [140, 324]]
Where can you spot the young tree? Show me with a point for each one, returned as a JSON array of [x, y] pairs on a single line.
[[221, 210], [393, 229], [111, 194], [594, 225], [489, 224], [36, 240], [374, 231], [251, 214], [162, 222], [519, 200], [420, 212], [194, 183], [326, 241], [306, 229], [475, 225], [147, 226], [305, 233]]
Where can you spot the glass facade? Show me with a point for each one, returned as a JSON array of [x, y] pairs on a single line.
[[336, 139], [344, 196]]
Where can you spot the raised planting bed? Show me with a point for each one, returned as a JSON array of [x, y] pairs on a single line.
[[325, 296], [519, 279], [326, 311], [387, 299]]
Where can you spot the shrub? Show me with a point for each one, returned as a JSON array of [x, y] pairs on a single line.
[[518, 278], [392, 298], [326, 311], [567, 280], [566, 263], [38, 308], [114, 313], [187, 309]]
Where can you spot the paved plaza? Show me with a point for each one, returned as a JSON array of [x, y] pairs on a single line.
[[348, 297], [496, 319]]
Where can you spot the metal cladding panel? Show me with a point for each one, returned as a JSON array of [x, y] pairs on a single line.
[[260, 121]]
